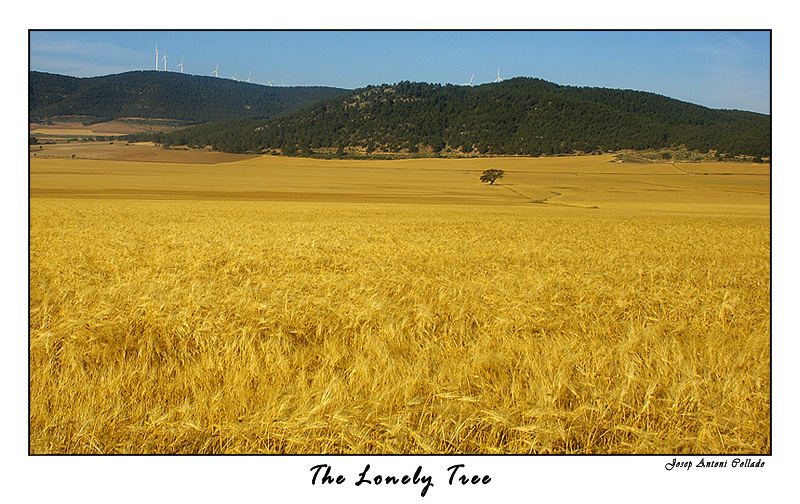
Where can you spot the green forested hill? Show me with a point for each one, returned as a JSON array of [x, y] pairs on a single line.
[[169, 95], [517, 116]]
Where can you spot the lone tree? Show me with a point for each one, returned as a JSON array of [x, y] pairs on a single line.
[[492, 175]]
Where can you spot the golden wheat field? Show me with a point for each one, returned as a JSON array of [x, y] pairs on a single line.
[[283, 305]]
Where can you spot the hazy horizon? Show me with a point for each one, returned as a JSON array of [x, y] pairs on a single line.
[[715, 69]]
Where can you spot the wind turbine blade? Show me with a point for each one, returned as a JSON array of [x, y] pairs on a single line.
[[498, 79]]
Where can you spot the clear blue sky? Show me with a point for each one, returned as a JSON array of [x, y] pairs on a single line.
[[718, 69]]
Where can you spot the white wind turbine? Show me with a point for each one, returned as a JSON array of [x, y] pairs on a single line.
[[235, 75], [498, 79], [215, 72], [249, 75], [470, 81], [164, 59], [156, 56], [180, 65]]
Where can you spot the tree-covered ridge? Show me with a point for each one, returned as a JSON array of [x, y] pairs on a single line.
[[518, 116], [171, 95]]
